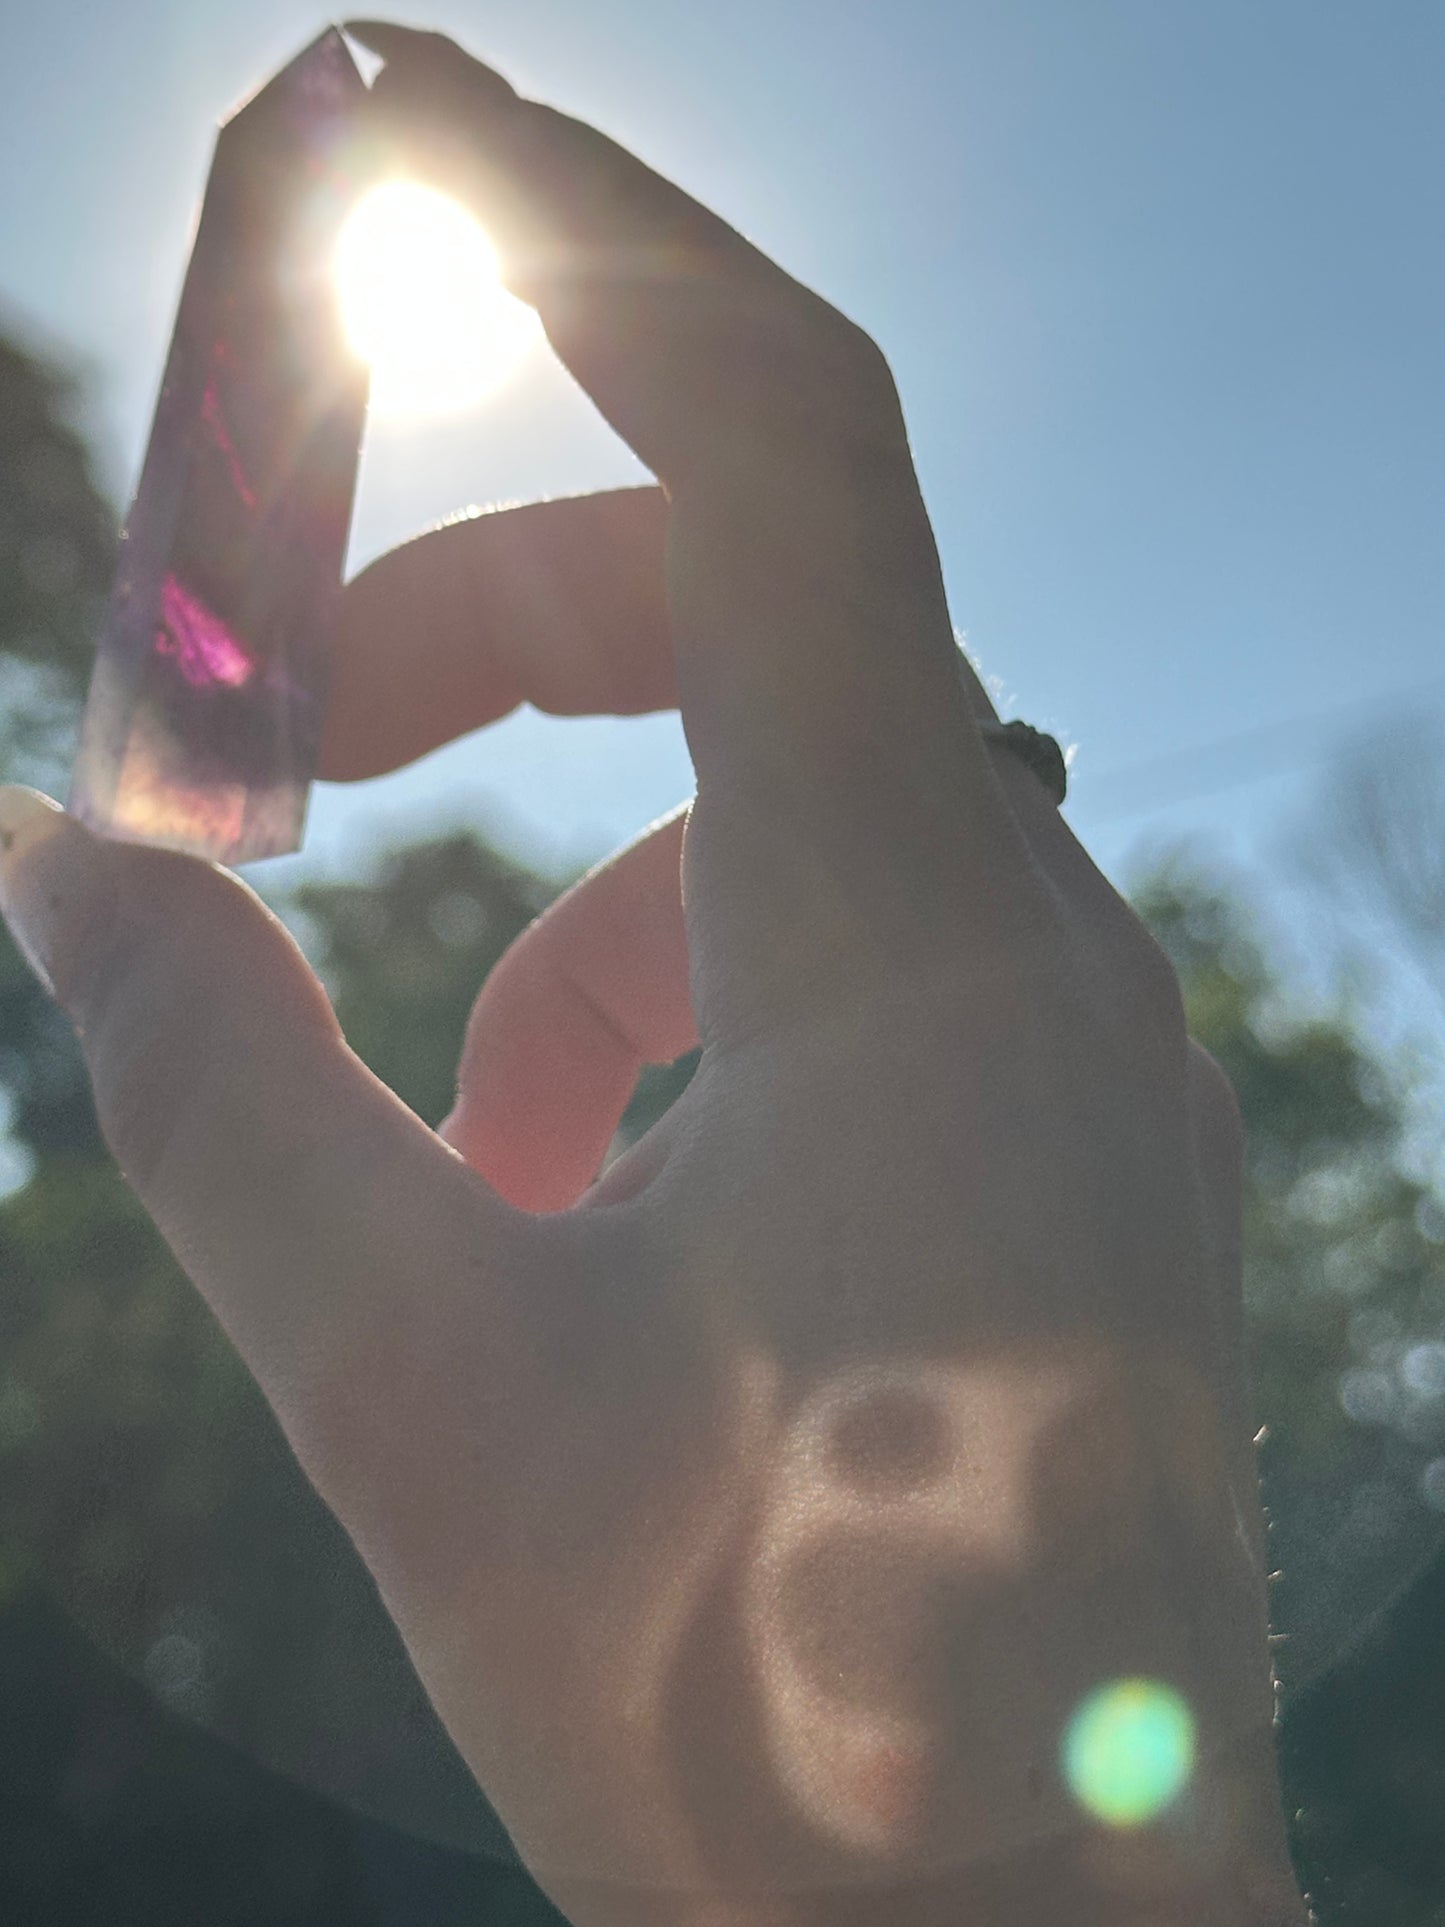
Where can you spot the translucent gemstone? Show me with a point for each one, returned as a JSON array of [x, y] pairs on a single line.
[[203, 723]]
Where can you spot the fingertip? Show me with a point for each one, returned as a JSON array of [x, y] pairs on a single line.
[[384, 37], [418, 50]]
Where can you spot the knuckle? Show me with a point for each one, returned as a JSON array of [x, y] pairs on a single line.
[[847, 383], [1133, 981], [856, 364], [1153, 986], [818, 382], [1217, 1101]]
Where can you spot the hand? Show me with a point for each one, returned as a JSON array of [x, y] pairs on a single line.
[[758, 1515]]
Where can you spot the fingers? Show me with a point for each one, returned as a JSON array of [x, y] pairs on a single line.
[[815, 659], [559, 604], [594, 989], [643, 291], [296, 1191]]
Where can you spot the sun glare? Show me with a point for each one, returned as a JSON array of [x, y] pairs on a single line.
[[422, 302]]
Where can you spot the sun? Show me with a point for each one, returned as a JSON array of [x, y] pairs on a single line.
[[422, 301]]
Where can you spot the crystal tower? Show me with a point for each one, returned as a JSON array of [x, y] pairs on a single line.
[[203, 723]]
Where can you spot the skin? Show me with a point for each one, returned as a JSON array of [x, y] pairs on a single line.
[[757, 1515]]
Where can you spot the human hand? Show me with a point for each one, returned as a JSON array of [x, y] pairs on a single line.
[[757, 1517]]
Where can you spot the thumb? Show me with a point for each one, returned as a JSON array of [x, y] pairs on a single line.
[[300, 1195]]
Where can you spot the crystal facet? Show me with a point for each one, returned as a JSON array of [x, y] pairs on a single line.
[[203, 724]]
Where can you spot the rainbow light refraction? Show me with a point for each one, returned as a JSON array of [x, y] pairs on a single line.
[[1129, 1750]]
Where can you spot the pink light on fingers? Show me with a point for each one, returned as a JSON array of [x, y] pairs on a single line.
[[205, 651]]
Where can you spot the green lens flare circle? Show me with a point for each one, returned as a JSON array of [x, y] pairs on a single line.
[[1128, 1750]]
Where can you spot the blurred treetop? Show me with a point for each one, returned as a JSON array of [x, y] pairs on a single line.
[[57, 555]]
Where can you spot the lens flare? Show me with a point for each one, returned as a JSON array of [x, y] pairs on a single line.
[[1128, 1750], [422, 301]]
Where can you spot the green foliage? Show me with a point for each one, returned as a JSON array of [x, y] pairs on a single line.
[[1345, 1299], [1338, 1244], [57, 554], [1344, 1273], [404, 953]]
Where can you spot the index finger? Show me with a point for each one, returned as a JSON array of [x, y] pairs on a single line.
[[816, 665]]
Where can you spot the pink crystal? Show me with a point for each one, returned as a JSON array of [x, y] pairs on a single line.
[[203, 724]]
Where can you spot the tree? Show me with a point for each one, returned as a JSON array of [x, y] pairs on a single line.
[[1378, 848], [1345, 1302], [1344, 1267]]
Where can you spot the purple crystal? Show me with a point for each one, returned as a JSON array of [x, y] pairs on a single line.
[[203, 724]]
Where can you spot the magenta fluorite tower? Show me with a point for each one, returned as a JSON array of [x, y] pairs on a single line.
[[204, 719]]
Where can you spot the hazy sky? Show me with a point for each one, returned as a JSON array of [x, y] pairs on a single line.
[[1162, 286]]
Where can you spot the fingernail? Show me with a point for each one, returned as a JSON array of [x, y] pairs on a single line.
[[369, 32], [55, 889], [431, 59], [393, 42]]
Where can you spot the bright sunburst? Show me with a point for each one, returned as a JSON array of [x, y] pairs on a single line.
[[422, 302]]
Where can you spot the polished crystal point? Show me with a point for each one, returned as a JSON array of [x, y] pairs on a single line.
[[203, 723]]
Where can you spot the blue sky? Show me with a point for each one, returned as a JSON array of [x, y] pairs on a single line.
[[1161, 284]]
